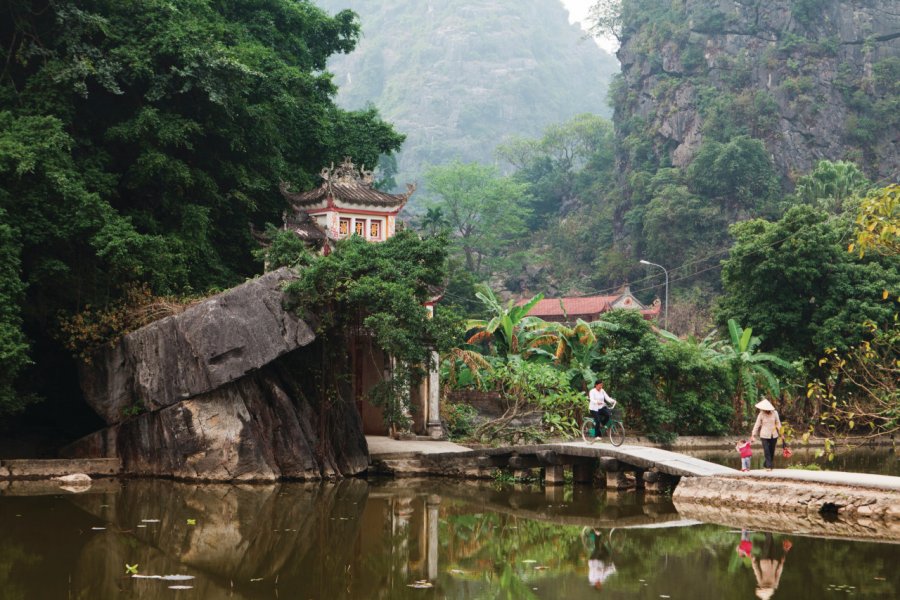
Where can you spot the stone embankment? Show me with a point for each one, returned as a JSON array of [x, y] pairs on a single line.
[[221, 392], [847, 496]]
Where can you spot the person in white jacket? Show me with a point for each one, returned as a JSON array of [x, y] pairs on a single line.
[[601, 405]]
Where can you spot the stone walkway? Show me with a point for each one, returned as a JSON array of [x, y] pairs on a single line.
[[381, 446], [859, 480]]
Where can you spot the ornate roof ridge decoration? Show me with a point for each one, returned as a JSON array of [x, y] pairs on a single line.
[[350, 184]]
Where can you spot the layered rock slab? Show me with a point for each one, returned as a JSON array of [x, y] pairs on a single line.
[[228, 396], [207, 346]]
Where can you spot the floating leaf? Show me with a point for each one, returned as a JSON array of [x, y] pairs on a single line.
[[192, 521], [131, 569]]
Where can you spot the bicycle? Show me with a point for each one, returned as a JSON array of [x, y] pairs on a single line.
[[613, 428]]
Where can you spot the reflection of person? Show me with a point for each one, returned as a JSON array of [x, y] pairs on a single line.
[[746, 451], [768, 569], [767, 427], [600, 406], [745, 547], [600, 564]]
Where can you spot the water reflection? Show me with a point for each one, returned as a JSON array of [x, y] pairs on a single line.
[[879, 460], [409, 539], [767, 567]]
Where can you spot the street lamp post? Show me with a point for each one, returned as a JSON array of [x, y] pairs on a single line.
[[666, 314]]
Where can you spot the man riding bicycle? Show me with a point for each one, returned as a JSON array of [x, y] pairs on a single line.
[[601, 405]]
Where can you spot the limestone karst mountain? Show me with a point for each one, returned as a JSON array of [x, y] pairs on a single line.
[[460, 76]]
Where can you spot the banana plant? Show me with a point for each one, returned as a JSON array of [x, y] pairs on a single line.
[[750, 369], [507, 325], [575, 348]]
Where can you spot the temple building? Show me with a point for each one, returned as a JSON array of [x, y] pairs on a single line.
[[345, 204], [589, 308]]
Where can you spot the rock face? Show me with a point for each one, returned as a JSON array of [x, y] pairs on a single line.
[[461, 76], [224, 393], [209, 345], [813, 80]]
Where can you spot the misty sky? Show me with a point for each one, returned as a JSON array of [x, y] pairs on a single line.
[[578, 10]]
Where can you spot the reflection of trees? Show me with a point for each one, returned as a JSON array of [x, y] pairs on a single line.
[[354, 540], [12, 556], [492, 548]]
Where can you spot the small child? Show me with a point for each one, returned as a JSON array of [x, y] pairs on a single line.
[[744, 449], [745, 548]]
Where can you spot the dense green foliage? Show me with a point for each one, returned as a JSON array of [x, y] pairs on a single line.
[[796, 285], [665, 386], [138, 139], [484, 212], [382, 288]]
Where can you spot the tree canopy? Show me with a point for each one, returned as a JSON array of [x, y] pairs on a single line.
[[795, 284], [138, 139]]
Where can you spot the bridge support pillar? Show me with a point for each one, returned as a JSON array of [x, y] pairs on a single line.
[[583, 472], [554, 475], [617, 480], [659, 483], [555, 493], [522, 474]]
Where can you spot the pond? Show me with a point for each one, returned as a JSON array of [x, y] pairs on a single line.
[[880, 460], [407, 539]]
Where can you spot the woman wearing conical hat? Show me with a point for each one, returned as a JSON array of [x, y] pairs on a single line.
[[767, 427]]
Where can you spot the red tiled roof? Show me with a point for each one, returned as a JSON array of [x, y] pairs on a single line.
[[557, 307]]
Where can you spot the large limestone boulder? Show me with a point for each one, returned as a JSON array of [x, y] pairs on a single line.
[[222, 392], [209, 345]]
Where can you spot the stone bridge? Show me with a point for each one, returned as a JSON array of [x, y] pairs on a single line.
[[864, 498], [622, 467]]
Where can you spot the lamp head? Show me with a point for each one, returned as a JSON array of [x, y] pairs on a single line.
[[644, 262]]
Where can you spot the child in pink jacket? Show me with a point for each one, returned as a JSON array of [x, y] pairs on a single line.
[[744, 449]]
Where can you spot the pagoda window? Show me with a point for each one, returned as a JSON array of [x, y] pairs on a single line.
[[375, 230], [359, 227], [344, 227]]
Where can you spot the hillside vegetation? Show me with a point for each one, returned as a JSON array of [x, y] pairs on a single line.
[[460, 76]]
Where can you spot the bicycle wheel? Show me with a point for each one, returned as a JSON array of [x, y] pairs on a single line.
[[587, 431], [616, 434]]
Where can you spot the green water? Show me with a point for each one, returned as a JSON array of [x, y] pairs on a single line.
[[879, 460], [358, 539]]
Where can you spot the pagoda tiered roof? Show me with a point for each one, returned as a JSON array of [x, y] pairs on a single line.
[[347, 185]]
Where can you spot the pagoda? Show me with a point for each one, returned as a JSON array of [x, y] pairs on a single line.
[[346, 204]]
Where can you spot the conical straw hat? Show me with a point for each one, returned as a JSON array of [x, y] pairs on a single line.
[[764, 404]]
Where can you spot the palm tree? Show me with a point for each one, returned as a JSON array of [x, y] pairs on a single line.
[[434, 220], [750, 368]]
